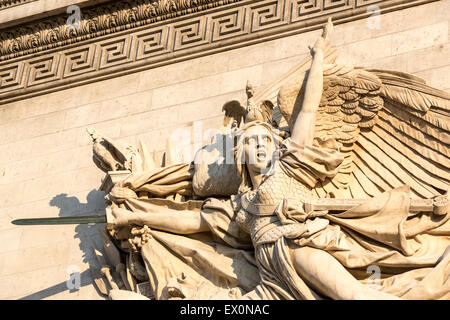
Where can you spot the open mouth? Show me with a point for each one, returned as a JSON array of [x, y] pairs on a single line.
[[261, 155]]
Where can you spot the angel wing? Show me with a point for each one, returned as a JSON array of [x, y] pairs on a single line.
[[392, 128]]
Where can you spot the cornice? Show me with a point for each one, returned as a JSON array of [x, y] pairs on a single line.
[[95, 21], [5, 4], [125, 40]]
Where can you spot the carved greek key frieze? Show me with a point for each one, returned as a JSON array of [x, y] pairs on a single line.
[[114, 52], [303, 8], [95, 22], [192, 33], [152, 45], [269, 14], [80, 60], [230, 24], [11, 77], [44, 69]]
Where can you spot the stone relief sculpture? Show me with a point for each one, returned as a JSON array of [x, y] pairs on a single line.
[[336, 171]]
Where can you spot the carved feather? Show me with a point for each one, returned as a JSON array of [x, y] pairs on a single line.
[[392, 128]]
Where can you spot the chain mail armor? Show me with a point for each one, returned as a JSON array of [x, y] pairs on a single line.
[[258, 208]]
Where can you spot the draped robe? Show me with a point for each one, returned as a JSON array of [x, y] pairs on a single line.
[[409, 252]]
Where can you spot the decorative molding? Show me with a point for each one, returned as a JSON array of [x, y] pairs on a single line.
[[5, 4], [95, 21], [160, 43]]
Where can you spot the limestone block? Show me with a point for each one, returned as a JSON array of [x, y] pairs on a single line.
[[50, 143], [236, 80], [246, 57], [442, 8], [78, 96], [420, 38], [149, 121], [47, 186], [438, 77], [206, 108], [125, 106], [11, 112], [10, 239], [12, 195], [34, 209], [274, 69], [19, 285], [363, 51], [290, 46], [35, 258], [86, 179], [429, 58], [82, 115], [157, 139], [206, 87], [390, 23], [5, 222], [20, 170], [78, 203], [51, 285], [396, 62], [39, 166], [183, 71], [111, 88], [39, 236], [84, 156], [31, 127]]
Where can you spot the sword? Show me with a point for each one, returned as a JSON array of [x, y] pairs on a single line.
[[60, 220], [439, 205]]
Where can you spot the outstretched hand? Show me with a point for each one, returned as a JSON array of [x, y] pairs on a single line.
[[322, 43]]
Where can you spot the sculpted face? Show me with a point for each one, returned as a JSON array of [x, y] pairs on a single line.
[[258, 148]]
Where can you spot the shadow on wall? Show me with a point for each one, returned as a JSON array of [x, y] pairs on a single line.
[[72, 207]]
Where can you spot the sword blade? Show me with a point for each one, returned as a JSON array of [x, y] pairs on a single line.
[[60, 220]]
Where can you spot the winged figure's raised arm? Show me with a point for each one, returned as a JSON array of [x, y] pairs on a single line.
[[390, 126], [303, 129]]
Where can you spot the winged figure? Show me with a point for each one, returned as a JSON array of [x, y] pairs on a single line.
[[375, 139], [337, 190]]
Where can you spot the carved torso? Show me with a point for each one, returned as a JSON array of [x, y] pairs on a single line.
[[258, 213]]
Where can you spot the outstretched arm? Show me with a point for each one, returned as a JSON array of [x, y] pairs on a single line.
[[303, 131], [180, 222]]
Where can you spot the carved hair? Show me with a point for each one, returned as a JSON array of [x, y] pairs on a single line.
[[239, 156]]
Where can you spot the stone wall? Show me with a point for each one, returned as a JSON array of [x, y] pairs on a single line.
[[46, 166]]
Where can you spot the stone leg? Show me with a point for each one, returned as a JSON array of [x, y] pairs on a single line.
[[329, 277]]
